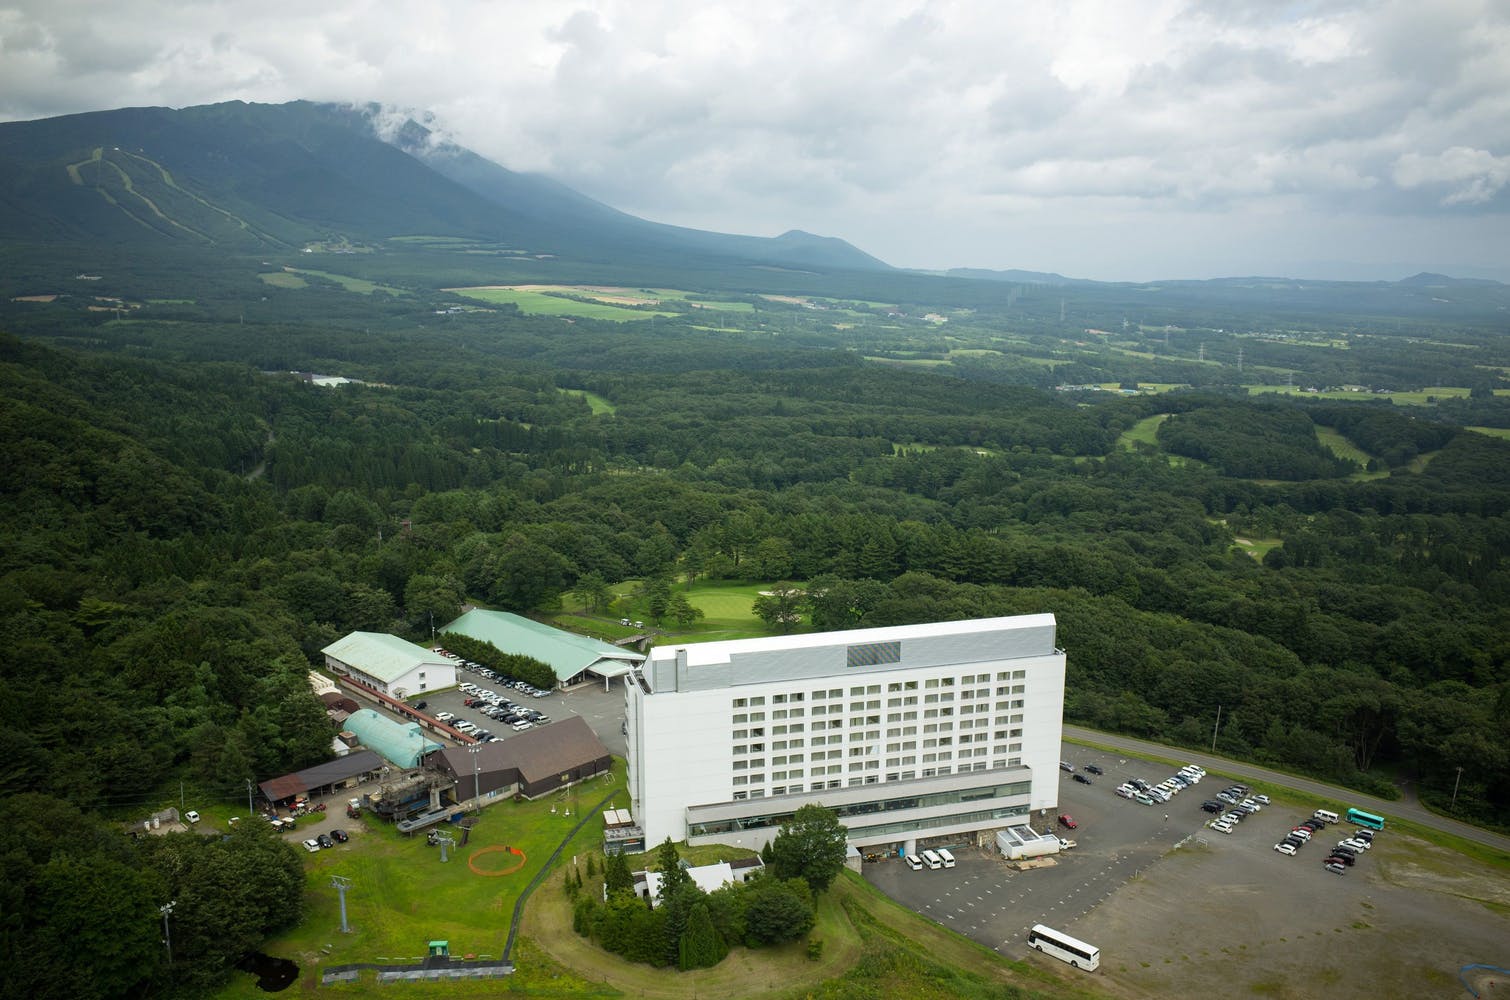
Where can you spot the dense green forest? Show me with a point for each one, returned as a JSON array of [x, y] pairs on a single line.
[[187, 524]]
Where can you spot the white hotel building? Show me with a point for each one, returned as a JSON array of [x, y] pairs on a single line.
[[913, 734]]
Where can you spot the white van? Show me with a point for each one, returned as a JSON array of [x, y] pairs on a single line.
[[1325, 815], [946, 857], [914, 863], [932, 860]]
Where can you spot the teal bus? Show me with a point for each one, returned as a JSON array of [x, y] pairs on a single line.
[[1365, 819]]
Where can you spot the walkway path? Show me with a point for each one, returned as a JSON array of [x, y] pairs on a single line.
[[1408, 807]]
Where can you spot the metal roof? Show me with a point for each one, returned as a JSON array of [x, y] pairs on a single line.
[[567, 653], [352, 765], [402, 743], [385, 657], [535, 754]]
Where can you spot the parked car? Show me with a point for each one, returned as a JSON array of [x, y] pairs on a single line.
[[1261, 799], [1094, 769], [192, 816], [1285, 847], [312, 846], [339, 836], [1222, 826], [1142, 799], [1342, 859], [1084, 780], [1353, 842], [1335, 867], [324, 840], [1127, 791], [1065, 765], [1211, 806], [1067, 821]]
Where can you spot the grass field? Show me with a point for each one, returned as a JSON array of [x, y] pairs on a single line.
[[1258, 547], [1499, 432], [1142, 432], [537, 303], [402, 896], [282, 279], [1340, 446], [1423, 397], [596, 402]]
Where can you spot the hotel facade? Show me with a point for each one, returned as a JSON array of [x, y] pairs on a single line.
[[914, 734]]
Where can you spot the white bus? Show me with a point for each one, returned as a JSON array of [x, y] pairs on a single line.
[[1065, 948]]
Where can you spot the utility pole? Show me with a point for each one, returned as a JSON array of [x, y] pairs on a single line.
[[1459, 778], [1214, 728], [166, 910], [249, 795]]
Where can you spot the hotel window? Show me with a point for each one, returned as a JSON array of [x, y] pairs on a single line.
[[1016, 718], [757, 716], [779, 713], [757, 731], [796, 696], [740, 703], [1014, 761], [932, 682], [757, 701], [778, 699], [908, 775], [740, 796], [894, 686], [740, 779], [741, 748], [778, 789], [1017, 703], [757, 793], [1014, 748], [740, 734], [1019, 674], [741, 718]]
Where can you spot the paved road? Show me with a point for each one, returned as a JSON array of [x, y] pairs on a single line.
[[1403, 808]]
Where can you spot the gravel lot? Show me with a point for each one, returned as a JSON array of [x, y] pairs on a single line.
[[1223, 913]]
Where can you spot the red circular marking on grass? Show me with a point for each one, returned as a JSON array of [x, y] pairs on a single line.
[[497, 849]]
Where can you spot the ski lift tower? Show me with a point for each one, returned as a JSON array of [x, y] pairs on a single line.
[[445, 840], [341, 883]]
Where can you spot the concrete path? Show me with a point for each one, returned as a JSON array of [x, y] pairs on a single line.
[[1408, 807]]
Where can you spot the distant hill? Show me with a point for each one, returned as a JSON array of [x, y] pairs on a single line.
[[1426, 279], [251, 176], [1015, 275]]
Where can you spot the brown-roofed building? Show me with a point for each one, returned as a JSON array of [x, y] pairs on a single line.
[[327, 777], [531, 764]]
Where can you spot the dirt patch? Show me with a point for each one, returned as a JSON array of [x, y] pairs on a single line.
[[35, 298]]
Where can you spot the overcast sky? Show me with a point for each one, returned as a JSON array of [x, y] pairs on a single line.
[[1116, 140]]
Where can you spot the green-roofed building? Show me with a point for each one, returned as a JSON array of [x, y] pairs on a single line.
[[574, 658], [390, 665], [402, 743]]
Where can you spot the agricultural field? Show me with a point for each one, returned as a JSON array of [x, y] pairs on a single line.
[[551, 300], [282, 279]]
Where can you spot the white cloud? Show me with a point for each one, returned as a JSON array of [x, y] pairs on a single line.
[[930, 133], [1473, 176]]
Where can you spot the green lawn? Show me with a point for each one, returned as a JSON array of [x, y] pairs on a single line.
[[1142, 432], [282, 279], [1340, 446], [1499, 432], [597, 403], [402, 896], [359, 285]]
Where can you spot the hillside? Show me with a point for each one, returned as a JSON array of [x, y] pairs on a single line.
[[256, 177]]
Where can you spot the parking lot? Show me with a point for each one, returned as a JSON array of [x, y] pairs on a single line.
[[602, 710], [1222, 911]]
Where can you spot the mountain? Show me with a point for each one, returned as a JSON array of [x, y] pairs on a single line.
[[544, 199], [256, 176]]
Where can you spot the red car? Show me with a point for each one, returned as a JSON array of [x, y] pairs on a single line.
[[1068, 822]]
